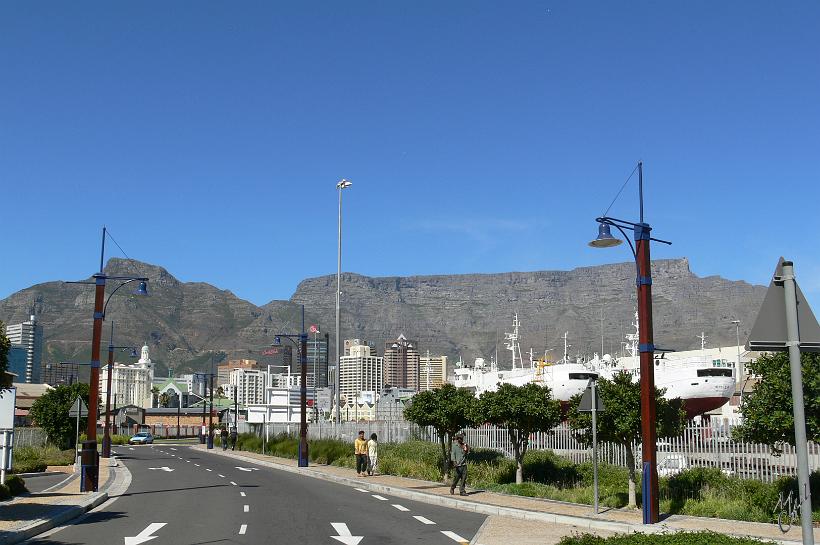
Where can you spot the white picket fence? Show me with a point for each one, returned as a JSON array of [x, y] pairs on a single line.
[[699, 446]]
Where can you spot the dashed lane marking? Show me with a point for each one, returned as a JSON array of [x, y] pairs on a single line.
[[423, 520], [243, 529], [206, 469], [455, 537], [400, 507], [197, 465], [242, 494], [221, 475], [246, 508], [361, 490], [382, 498], [233, 483]]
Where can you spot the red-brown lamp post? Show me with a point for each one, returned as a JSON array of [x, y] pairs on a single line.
[[90, 464], [640, 251], [303, 456]]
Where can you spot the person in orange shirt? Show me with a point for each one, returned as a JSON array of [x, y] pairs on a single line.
[[360, 450]]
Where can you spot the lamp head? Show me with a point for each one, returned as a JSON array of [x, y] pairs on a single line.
[[277, 340], [134, 353], [142, 289], [343, 184], [605, 238]]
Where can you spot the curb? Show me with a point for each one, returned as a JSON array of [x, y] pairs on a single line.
[[584, 523], [121, 478], [42, 525], [40, 474]]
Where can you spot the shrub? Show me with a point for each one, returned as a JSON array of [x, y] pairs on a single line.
[[5, 493], [682, 538], [16, 485], [35, 459]]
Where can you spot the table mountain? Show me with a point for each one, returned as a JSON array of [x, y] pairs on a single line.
[[184, 323]]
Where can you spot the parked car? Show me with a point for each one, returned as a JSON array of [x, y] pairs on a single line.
[[141, 438]]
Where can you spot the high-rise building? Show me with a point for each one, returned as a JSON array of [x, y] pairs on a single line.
[[29, 335], [223, 370], [401, 363], [18, 362], [316, 361], [360, 370], [432, 372], [63, 373], [249, 385], [130, 383]]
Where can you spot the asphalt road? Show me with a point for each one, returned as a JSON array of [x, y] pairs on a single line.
[[41, 483], [207, 498]]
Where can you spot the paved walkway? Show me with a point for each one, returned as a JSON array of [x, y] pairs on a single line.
[[542, 519], [25, 511]]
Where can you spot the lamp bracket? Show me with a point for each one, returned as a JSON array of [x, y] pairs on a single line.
[[646, 347], [644, 281]]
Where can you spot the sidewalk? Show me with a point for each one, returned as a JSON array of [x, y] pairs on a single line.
[[523, 520], [26, 516]]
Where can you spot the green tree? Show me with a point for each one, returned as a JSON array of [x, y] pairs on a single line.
[[522, 410], [154, 395], [164, 399], [447, 409], [50, 412], [620, 422], [5, 346], [768, 416]]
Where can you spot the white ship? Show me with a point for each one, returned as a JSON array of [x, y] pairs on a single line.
[[700, 383], [564, 379]]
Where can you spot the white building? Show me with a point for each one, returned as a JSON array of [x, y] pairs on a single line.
[[249, 384], [432, 372], [360, 370], [130, 383], [28, 335]]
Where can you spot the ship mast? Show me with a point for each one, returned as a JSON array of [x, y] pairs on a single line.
[[513, 345]]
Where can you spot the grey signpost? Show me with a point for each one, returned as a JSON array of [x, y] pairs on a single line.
[[591, 402], [78, 410], [786, 323]]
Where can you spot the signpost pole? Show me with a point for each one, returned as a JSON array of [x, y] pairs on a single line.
[[595, 444], [77, 431], [800, 441]]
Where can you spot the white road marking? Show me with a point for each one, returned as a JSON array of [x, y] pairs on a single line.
[[172, 448], [221, 475], [206, 469], [361, 490], [344, 534], [187, 461], [242, 494], [454, 536], [130, 448], [382, 498], [246, 508], [243, 529], [423, 520], [247, 468], [197, 465], [400, 507], [145, 535], [163, 468], [233, 483]]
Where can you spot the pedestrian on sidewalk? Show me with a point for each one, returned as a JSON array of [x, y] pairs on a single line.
[[372, 454], [223, 438], [360, 450], [458, 457], [233, 438]]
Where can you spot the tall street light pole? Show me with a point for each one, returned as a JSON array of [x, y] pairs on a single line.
[[740, 371], [640, 252], [90, 463], [343, 184]]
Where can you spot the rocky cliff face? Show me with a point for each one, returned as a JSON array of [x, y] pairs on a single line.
[[184, 323], [464, 314]]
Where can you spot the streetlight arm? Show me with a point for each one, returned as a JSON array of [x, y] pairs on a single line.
[[128, 281]]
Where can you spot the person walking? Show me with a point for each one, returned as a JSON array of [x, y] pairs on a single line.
[[233, 438], [458, 457], [223, 438], [372, 455], [360, 450]]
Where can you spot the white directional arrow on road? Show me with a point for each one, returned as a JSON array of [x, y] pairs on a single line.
[[247, 468], [163, 468], [344, 534], [145, 535]]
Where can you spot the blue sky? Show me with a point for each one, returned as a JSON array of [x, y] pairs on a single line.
[[479, 136]]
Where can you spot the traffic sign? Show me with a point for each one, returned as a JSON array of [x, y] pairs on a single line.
[[585, 406], [769, 330], [79, 409]]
